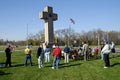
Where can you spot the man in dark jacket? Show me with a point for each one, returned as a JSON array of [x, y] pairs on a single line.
[[8, 56], [40, 56]]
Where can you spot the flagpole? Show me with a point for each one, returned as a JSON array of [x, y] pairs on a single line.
[[69, 35], [69, 30], [27, 34], [28, 30]]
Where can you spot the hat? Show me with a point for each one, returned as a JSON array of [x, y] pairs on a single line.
[[106, 41], [54, 46]]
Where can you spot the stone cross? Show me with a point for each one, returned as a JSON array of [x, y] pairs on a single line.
[[48, 16]]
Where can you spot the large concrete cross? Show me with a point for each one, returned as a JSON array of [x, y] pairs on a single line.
[[48, 16]]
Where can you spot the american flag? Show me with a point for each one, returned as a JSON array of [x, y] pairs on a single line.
[[72, 21]]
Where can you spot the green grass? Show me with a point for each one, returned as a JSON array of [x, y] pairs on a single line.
[[75, 70]]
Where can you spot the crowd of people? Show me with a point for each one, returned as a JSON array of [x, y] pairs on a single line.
[[84, 52]]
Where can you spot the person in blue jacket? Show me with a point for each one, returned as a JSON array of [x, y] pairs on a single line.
[[66, 54]]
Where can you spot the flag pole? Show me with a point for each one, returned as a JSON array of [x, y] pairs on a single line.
[[69, 35], [69, 30]]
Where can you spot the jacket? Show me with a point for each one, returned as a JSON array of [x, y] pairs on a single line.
[[106, 49], [8, 52], [40, 52], [27, 51], [85, 47], [66, 50], [47, 50], [56, 52]]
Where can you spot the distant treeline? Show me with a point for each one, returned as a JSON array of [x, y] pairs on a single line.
[[69, 36]]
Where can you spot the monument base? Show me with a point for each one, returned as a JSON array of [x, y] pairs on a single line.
[[50, 45]]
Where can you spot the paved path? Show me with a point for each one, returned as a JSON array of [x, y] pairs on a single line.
[[117, 50]]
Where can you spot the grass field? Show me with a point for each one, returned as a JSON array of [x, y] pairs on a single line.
[[75, 70]]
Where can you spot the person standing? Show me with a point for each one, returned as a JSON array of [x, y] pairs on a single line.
[[56, 54], [28, 56], [85, 51], [40, 56], [47, 54], [66, 54], [8, 52], [106, 51]]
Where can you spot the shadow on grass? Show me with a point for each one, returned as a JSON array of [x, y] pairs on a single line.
[[28, 64], [3, 73], [2, 65], [2, 62], [69, 65], [115, 64], [63, 65], [17, 65]]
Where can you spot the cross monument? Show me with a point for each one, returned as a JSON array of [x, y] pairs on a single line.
[[48, 16]]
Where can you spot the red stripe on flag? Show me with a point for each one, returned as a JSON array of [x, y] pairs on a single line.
[[72, 21]]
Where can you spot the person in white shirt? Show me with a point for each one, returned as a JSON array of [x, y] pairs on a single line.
[[106, 51]]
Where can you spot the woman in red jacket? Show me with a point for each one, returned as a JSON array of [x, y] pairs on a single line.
[[56, 54]]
